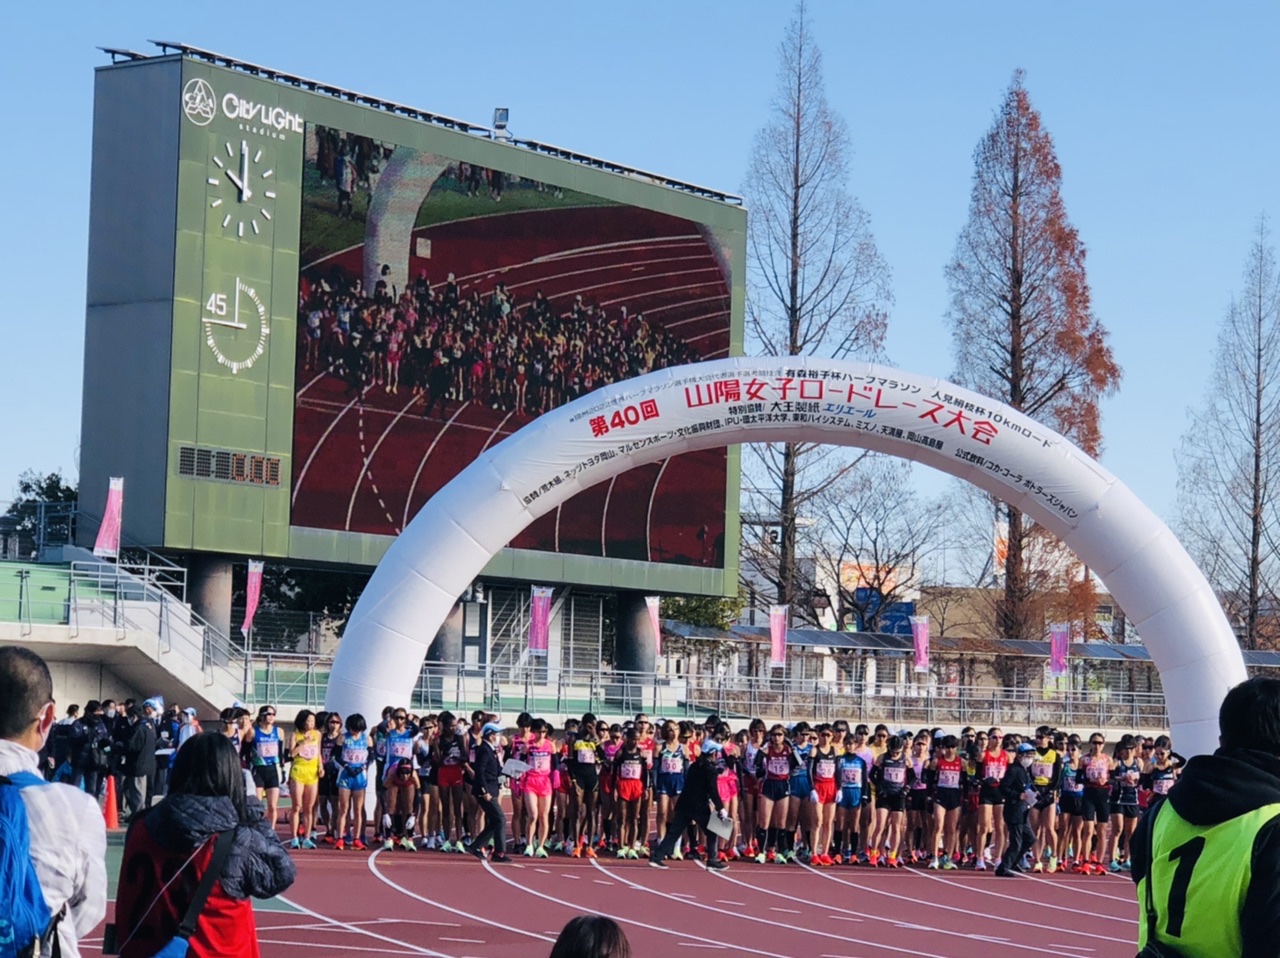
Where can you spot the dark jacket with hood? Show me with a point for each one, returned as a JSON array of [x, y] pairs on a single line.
[[173, 839], [1212, 789], [700, 790]]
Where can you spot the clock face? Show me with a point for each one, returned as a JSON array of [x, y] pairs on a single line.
[[242, 192], [236, 326]]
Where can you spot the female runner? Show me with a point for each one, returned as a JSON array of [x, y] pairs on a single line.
[[774, 763], [800, 809], [728, 762], [992, 765], [630, 772], [822, 774], [353, 780], [330, 750], [609, 748], [673, 761], [892, 777], [400, 785], [947, 770], [304, 780], [853, 774], [448, 759], [752, 743], [1046, 770], [263, 741], [537, 790], [584, 770], [520, 752], [1094, 771], [920, 833], [426, 809], [1162, 770], [1127, 773]]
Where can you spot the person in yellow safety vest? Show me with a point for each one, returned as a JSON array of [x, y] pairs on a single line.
[[1206, 859]]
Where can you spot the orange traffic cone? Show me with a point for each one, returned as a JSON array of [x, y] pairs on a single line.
[[109, 811]]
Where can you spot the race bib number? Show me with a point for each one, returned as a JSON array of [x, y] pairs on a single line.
[[992, 770], [630, 771], [453, 756], [826, 768], [895, 774], [1041, 769], [1096, 772], [355, 756], [586, 756], [948, 778], [851, 775], [400, 749], [540, 761], [1161, 786], [1131, 778], [268, 750], [672, 766], [309, 751], [777, 766]]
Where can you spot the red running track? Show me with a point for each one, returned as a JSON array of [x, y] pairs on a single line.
[[350, 905]]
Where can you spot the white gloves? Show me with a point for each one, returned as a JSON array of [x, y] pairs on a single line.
[[813, 796], [724, 816]]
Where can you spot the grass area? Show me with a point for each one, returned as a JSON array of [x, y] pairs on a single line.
[[324, 232]]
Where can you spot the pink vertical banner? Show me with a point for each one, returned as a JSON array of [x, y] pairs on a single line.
[[540, 620], [107, 544], [252, 593], [1059, 640], [777, 636], [920, 641], [654, 603]]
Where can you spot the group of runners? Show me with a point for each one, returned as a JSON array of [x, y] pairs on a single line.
[[823, 794]]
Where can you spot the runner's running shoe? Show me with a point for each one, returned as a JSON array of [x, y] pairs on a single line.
[[407, 844], [388, 845]]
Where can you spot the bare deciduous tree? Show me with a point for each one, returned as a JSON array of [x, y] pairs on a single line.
[[1024, 330], [817, 284], [1229, 458]]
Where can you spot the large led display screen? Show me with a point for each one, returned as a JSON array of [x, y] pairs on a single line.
[[443, 305]]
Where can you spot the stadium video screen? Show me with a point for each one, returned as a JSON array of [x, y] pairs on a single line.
[[443, 306]]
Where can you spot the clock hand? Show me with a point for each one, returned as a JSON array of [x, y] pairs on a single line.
[[239, 185], [245, 192], [229, 323]]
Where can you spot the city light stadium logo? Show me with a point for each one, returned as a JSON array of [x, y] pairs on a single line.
[[199, 102]]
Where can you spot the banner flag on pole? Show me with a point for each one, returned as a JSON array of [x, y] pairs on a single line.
[[777, 636], [920, 641], [654, 603], [252, 593], [1059, 641], [107, 545], [540, 620]]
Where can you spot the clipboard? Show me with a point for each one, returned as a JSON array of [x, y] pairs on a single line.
[[723, 830], [514, 767]]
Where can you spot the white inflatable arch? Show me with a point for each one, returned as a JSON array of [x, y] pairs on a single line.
[[791, 399]]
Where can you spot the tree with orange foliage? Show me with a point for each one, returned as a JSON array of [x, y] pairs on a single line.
[[1022, 325]]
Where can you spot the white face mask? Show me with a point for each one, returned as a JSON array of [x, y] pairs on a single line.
[[1025, 760], [111, 713]]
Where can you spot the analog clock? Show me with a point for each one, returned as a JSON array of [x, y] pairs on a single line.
[[236, 326], [242, 191]]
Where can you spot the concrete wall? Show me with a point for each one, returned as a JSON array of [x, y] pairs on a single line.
[[75, 683]]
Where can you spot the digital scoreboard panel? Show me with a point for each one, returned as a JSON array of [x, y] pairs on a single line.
[[361, 302]]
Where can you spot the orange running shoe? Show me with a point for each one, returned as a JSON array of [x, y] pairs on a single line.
[[359, 845], [590, 852], [577, 851], [340, 845]]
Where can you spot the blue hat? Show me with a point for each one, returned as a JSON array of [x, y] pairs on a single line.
[[490, 727], [1025, 747], [711, 745]]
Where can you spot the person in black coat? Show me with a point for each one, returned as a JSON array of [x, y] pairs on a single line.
[[694, 806], [139, 760], [1019, 795], [486, 784]]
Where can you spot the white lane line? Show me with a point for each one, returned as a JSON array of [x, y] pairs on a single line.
[[1072, 885], [788, 911], [464, 941], [427, 455], [412, 949], [1022, 898], [319, 376], [844, 918], [373, 867], [368, 461], [735, 904], [599, 882], [638, 924], [573, 877], [778, 924], [698, 944], [898, 896], [297, 485], [311, 946], [1073, 947], [545, 280]]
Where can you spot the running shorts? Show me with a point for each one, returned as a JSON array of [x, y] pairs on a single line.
[[1045, 797], [304, 773], [990, 795], [727, 786], [948, 798], [1127, 809], [450, 776], [353, 783], [826, 789], [1095, 805], [586, 780], [266, 776], [800, 785], [891, 802], [775, 789], [630, 789], [669, 784], [1069, 803], [539, 785], [751, 784], [918, 800]]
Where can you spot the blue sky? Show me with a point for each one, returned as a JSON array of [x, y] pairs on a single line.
[[1164, 117]]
